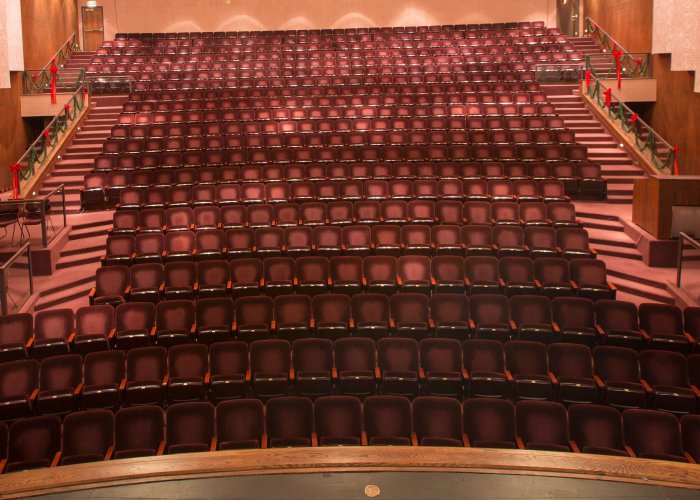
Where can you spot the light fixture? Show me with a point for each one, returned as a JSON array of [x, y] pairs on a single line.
[[91, 4]]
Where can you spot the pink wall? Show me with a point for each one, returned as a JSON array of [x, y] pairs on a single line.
[[232, 15]]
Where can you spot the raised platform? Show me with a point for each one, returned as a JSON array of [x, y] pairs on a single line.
[[533, 467]]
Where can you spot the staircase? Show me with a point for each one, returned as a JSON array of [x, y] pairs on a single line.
[[69, 285], [78, 158], [70, 71], [618, 167], [600, 61]]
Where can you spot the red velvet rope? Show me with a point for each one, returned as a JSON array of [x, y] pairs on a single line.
[[617, 54], [608, 97], [15, 169], [54, 73], [588, 79]]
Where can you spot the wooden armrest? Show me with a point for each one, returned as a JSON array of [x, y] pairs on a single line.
[[193, 329], [377, 373], [465, 441], [110, 335], [399, 281], [234, 326], [122, 384], [29, 343], [334, 373], [312, 324], [599, 330], [690, 338], [56, 459], [291, 374], [92, 293], [598, 382], [263, 441], [165, 381], [553, 378], [630, 452], [512, 325], [212, 446], [421, 373], [207, 378], [78, 389], [414, 439], [593, 251], [161, 448], [509, 376], [127, 290], [689, 457], [273, 325], [646, 386], [329, 281], [501, 283], [247, 375], [433, 282], [519, 442], [556, 327], [314, 440], [431, 324], [695, 390], [392, 324], [644, 333], [295, 281], [33, 395], [612, 286], [574, 447], [465, 374], [364, 282], [363, 438], [153, 332], [108, 453], [573, 284], [472, 325]]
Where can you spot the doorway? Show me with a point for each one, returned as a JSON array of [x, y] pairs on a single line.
[[93, 28], [568, 17]]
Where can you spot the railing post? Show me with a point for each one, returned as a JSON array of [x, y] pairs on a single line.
[[63, 204], [44, 235], [679, 263], [3, 292], [31, 273]]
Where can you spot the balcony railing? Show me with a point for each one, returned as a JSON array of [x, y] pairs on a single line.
[[632, 64], [61, 124], [36, 81], [16, 280], [646, 139]]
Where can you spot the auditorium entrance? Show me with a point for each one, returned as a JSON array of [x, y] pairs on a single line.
[[93, 28]]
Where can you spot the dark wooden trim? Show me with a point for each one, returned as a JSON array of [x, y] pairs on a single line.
[[348, 459]]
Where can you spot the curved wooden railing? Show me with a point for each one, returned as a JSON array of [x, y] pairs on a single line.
[[348, 459]]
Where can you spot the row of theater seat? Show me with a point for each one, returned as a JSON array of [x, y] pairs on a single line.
[[408, 315], [454, 124], [265, 369], [379, 180], [379, 90], [522, 77], [504, 240], [181, 101], [125, 191], [349, 275], [339, 119], [134, 217], [99, 435]]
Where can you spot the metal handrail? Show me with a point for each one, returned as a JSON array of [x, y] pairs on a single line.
[[645, 137], [638, 67], [41, 201], [26, 248], [71, 42], [36, 81], [683, 238], [38, 151]]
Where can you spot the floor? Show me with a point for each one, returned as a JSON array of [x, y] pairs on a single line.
[[383, 485]]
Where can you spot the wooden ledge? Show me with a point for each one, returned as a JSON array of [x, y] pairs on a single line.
[[348, 459]]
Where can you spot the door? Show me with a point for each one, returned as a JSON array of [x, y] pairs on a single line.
[[568, 17], [93, 28]]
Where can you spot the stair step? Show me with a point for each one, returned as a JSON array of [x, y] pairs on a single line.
[[79, 259], [617, 251], [602, 224], [648, 293]]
